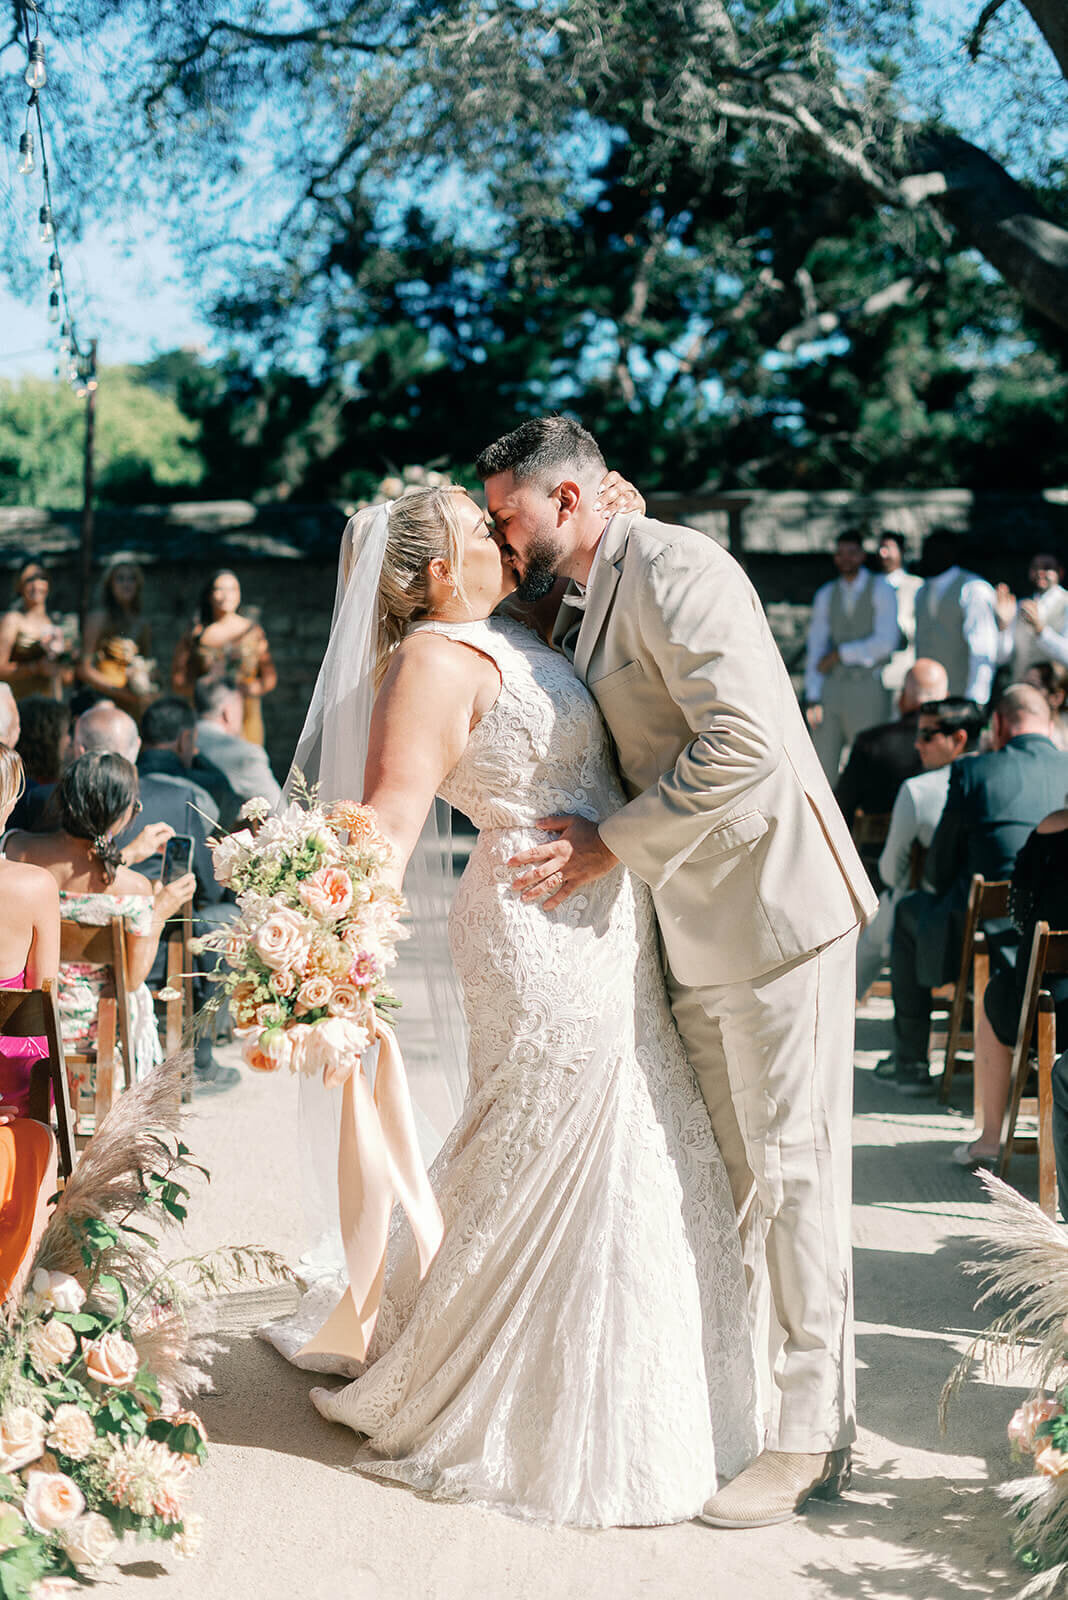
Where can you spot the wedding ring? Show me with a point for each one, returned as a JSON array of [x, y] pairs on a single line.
[[554, 880]]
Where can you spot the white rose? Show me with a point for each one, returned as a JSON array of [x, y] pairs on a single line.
[[90, 1541], [57, 1289], [22, 1438], [282, 940], [186, 1542], [72, 1432], [230, 852], [51, 1344], [52, 1501]]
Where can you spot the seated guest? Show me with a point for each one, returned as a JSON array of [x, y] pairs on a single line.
[[220, 710], [884, 756], [97, 798], [947, 729], [44, 744], [1051, 678], [1039, 894], [994, 801], [106, 728], [29, 945], [169, 739]]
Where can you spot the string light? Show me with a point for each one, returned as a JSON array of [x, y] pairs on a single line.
[[79, 361]]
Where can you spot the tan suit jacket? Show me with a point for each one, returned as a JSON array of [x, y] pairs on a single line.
[[730, 820]]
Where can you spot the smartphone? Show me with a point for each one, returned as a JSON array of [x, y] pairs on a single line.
[[177, 857]]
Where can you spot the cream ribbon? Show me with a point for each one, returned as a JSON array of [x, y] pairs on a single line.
[[378, 1162]]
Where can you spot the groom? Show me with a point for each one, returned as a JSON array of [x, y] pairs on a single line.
[[758, 890]]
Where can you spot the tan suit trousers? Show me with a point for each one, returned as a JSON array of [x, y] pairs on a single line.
[[774, 1059], [853, 699]]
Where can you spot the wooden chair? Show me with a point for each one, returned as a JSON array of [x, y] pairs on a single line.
[[985, 902], [1038, 1021], [103, 946], [32, 1013], [177, 994]]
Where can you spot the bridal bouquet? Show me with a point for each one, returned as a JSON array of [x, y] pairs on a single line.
[[318, 926]]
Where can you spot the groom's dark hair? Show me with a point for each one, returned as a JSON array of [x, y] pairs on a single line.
[[541, 448]]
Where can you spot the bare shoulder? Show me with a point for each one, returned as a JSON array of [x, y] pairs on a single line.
[[129, 882], [21, 881], [1056, 822], [434, 662]]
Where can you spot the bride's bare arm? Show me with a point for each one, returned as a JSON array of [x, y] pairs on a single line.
[[433, 694]]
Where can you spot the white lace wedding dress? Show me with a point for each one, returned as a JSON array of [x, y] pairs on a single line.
[[579, 1351]]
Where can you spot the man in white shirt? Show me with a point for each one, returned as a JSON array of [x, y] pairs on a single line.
[[905, 584], [1034, 630], [853, 632], [946, 730], [956, 620]]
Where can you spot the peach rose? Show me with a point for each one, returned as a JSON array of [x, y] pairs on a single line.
[[314, 993], [270, 1015], [51, 1345], [283, 983], [90, 1541], [282, 940], [52, 1501], [327, 893], [1051, 1461], [57, 1289], [22, 1438], [253, 1057], [111, 1359], [348, 1001], [335, 1046], [1028, 1418], [72, 1432]]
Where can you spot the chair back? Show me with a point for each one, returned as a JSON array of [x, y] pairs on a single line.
[[31, 1013], [992, 899], [870, 829], [103, 947]]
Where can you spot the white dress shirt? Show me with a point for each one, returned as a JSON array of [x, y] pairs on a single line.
[[981, 632], [918, 808], [872, 651], [1023, 646]]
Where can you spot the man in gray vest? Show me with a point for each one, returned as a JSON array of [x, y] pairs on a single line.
[[852, 634], [957, 620]]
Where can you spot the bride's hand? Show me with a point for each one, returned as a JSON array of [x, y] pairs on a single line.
[[575, 855], [617, 493]]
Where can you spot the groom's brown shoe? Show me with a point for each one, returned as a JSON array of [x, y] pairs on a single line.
[[775, 1486]]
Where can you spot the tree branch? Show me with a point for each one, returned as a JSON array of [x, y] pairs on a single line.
[[986, 17]]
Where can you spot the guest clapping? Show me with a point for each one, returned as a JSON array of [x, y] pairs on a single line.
[[223, 644], [31, 642]]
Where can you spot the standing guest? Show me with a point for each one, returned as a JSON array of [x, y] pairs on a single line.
[[905, 584], [44, 743], [97, 799], [29, 945], [956, 620], [224, 644], [946, 730], [118, 641], [1051, 679], [1039, 894], [219, 740], [994, 802], [1034, 630], [853, 632], [169, 735], [883, 757], [31, 643]]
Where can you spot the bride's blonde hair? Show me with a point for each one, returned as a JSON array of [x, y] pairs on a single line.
[[424, 526]]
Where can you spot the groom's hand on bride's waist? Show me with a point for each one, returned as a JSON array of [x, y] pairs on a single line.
[[554, 870]]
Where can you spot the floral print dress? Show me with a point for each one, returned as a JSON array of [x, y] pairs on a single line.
[[83, 983]]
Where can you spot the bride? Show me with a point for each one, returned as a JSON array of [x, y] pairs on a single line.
[[579, 1351]]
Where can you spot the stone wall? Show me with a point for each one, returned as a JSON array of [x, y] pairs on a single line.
[[285, 557]]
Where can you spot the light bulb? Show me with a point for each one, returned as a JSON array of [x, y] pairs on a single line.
[[55, 276], [36, 76], [26, 157], [53, 306], [48, 232]]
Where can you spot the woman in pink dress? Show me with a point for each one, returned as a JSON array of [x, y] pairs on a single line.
[[29, 944]]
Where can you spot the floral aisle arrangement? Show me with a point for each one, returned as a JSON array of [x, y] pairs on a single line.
[[100, 1353], [317, 931], [1030, 1270]]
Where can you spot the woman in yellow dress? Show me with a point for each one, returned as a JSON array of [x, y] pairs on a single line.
[[224, 644], [118, 641], [31, 643]]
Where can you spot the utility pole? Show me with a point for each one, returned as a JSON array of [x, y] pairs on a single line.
[[85, 583]]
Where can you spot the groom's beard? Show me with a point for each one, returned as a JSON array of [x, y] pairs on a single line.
[[543, 560]]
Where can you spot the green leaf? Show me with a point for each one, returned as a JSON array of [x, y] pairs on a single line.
[[107, 1283], [82, 1321]]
